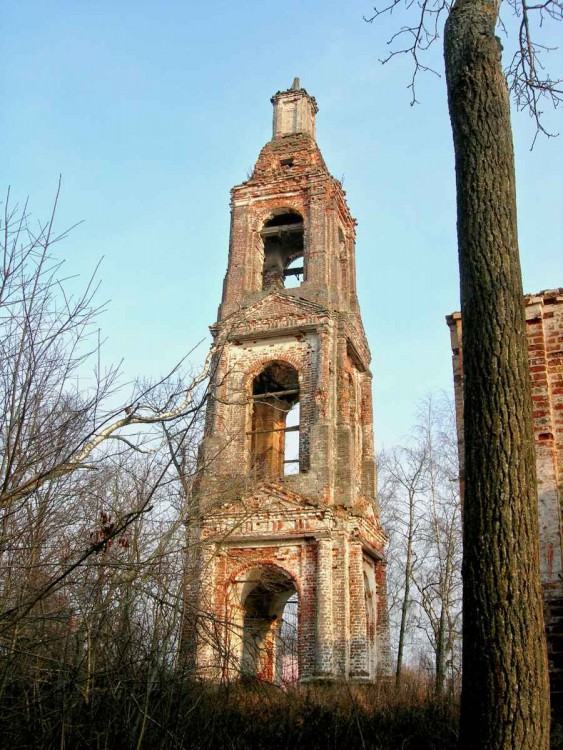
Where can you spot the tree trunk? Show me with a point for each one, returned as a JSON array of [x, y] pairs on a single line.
[[406, 596], [505, 697], [440, 660]]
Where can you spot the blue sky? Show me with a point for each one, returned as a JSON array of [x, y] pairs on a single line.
[[153, 111]]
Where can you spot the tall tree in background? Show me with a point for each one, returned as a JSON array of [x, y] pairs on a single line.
[[420, 509], [505, 694], [403, 472], [438, 581]]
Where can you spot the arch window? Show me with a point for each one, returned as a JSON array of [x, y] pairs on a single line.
[[269, 628], [282, 236], [274, 437]]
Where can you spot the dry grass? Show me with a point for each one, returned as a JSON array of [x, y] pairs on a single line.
[[179, 714]]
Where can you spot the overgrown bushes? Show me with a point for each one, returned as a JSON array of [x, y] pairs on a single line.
[[174, 713]]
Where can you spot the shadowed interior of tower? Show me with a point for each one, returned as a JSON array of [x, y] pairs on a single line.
[[270, 603], [275, 402], [282, 236]]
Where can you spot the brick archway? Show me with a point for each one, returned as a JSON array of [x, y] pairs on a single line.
[[267, 635]]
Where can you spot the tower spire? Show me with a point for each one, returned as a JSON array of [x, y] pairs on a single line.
[[294, 111]]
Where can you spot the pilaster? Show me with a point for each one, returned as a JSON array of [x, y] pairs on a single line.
[[358, 624], [324, 619]]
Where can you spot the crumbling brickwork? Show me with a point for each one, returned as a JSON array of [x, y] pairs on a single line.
[[287, 509], [544, 319]]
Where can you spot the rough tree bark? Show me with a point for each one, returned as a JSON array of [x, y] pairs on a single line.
[[505, 696]]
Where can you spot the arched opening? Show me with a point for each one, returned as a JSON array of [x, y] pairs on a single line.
[[287, 650], [269, 640], [282, 236], [275, 421]]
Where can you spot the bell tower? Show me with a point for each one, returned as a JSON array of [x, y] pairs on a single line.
[[287, 579]]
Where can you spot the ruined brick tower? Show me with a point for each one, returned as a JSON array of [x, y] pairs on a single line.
[[288, 577]]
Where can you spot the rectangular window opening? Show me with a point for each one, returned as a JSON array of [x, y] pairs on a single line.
[[274, 432], [291, 447]]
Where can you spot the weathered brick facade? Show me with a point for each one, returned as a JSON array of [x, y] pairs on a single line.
[[278, 521], [544, 319]]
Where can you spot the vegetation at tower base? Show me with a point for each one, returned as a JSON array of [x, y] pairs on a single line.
[[505, 696], [190, 716]]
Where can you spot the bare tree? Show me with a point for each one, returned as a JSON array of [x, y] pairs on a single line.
[[93, 502], [419, 497], [60, 442], [49, 425], [403, 471], [55, 426], [438, 579]]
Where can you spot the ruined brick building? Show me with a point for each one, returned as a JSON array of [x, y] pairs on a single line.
[[544, 321], [288, 536]]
